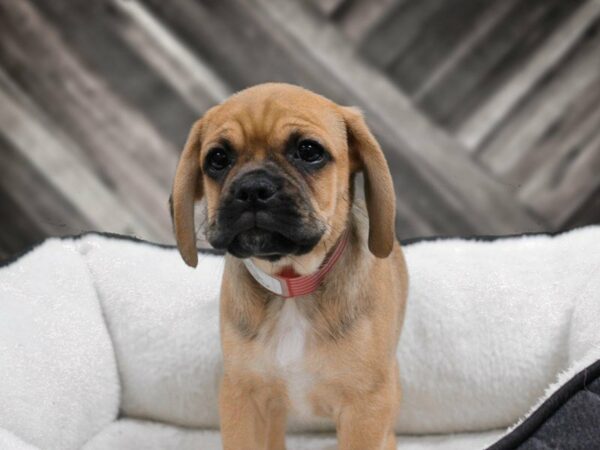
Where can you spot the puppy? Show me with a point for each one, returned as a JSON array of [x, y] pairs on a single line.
[[313, 295]]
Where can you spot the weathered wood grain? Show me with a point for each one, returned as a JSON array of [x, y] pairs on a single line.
[[329, 7], [483, 120], [563, 173], [488, 111], [465, 189], [574, 125], [114, 139], [433, 196], [264, 56], [552, 113], [93, 33], [435, 40], [494, 59], [588, 213], [43, 210], [58, 163], [567, 182], [359, 17], [192, 78], [396, 30], [280, 54], [474, 33], [18, 232]]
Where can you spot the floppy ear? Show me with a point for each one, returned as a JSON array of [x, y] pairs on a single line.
[[187, 188], [379, 188]]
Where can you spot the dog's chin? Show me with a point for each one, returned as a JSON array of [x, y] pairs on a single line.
[[268, 245]]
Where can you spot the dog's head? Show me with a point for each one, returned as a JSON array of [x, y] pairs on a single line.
[[274, 163]]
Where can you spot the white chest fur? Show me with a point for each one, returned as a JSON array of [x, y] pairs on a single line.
[[288, 347]]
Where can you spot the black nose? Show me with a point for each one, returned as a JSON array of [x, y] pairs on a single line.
[[256, 189]]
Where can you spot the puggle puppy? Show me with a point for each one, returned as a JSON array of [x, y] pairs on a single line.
[[313, 294]]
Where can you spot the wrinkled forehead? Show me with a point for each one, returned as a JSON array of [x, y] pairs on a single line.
[[267, 119]]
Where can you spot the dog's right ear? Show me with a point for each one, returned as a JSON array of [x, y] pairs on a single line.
[[187, 188]]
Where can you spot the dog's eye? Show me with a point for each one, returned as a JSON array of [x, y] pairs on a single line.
[[310, 151], [218, 159]]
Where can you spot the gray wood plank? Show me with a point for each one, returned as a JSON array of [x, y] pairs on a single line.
[[487, 21], [452, 176], [54, 157], [19, 195], [284, 60], [551, 114], [435, 197], [560, 190], [432, 199], [510, 44], [17, 232], [437, 38], [577, 122], [43, 211], [588, 213], [276, 56], [114, 140], [95, 33], [215, 29], [197, 83], [482, 121], [397, 30], [329, 7], [359, 17]]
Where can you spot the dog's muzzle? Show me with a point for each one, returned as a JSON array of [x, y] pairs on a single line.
[[263, 215]]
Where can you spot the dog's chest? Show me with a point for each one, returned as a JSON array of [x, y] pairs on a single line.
[[286, 351]]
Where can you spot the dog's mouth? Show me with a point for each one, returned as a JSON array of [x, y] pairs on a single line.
[[263, 236], [260, 243]]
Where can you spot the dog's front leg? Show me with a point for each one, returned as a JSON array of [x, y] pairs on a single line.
[[276, 422], [368, 424], [365, 430], [250, 420], [242, 426]]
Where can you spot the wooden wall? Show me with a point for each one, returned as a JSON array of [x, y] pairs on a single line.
[[488, 111]]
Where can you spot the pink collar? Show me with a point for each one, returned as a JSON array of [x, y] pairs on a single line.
[[296, 286]]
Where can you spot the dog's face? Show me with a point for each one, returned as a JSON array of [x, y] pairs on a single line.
[[275, 169], [274, 163]]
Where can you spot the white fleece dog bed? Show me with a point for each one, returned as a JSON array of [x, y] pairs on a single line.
[[111, 343]]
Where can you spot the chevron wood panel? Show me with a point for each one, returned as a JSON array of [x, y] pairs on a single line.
[[487, 111]]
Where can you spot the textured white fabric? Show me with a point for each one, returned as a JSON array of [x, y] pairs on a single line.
[[134, 434], [488, 326], [8, 441], [584, 339], [488, 323], [58, 377], [492, 328], [163, 319]]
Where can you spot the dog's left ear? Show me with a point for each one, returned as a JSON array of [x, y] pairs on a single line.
[[366, 155], [187, 188]]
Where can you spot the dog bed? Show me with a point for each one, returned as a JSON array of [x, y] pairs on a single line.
[[112, 343]]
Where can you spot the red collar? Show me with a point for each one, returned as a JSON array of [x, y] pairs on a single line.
[[301, 285]]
